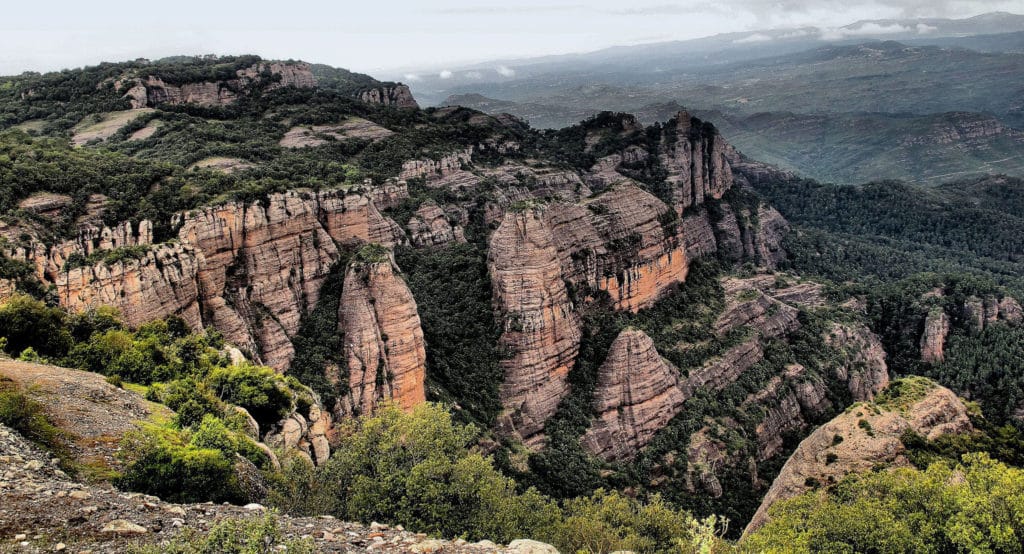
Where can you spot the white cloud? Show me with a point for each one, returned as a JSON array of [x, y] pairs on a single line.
[[412, 77], [867, 29], [924, 29], [799, 33], [445, 74], [756, 37], [506, 71]]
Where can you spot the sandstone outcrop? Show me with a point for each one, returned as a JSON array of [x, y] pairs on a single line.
[[618, 243], [153, 91], [865, 437], [429, 226], [398, 96], [541, 330], [697, 160], [863, 368], [637, 394], [933, 338], [435, 171], [310, 436], [385, 355], [249, 270]]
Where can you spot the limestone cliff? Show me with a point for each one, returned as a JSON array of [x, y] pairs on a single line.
[[541, 330], [385, 353], [865, 437], [637, 394]]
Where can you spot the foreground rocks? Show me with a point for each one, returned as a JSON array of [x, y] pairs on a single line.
[[43, 510]]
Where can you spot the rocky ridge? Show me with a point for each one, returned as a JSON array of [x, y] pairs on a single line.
[[865, 436]]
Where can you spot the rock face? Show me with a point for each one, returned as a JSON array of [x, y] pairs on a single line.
[[864, 437], [153, 91], [436, 170], [541, 328], [249, 270], [697, 160], [637, 394], [933, 339], [430, 227], [863, 369], [617, 243], [398, 96], [385, 353]]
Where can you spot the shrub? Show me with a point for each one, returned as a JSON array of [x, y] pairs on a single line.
[[28, 323], [161, 463], [259, 390], [27, 417]]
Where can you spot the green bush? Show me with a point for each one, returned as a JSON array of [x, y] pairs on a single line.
[[28, 323], [259, 390], [260, 535], [160, 462], [27, 417], [976, 506]]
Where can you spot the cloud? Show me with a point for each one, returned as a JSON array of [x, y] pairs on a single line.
[[925, 29], [445, 74], [412, 77], [506, 71], [756, 37], [500, 10], [870, 29]]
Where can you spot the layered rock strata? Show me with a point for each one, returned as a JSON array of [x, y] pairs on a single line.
[[541, 330], [385, 354], [637, 394]]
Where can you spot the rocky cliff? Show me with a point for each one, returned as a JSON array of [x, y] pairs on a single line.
[[637, 394], [397, 95], [865, 437], [622, 243], [697, 161], [249, 270], [385, 355], [153, 91], [541, 330]]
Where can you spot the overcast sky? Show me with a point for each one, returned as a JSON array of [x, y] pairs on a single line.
[[372, 36]]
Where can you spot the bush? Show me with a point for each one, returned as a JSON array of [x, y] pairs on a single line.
[[161, 463], [976, 506], [28, 323], [26, 416], [259, 390]]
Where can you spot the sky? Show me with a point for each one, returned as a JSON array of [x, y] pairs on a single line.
[[375, 37]]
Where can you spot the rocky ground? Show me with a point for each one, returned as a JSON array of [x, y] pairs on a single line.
[[43, 510]]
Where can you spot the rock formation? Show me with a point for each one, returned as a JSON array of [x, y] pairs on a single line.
[[697, 160], [429, 226], [865, 437], [637, 394], [863, 368], [249, 270], [397, 95], [617, 243], [541, 328], [153, 91], [385, 355]]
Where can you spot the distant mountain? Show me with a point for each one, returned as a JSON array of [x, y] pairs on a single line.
[[661, 61]]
